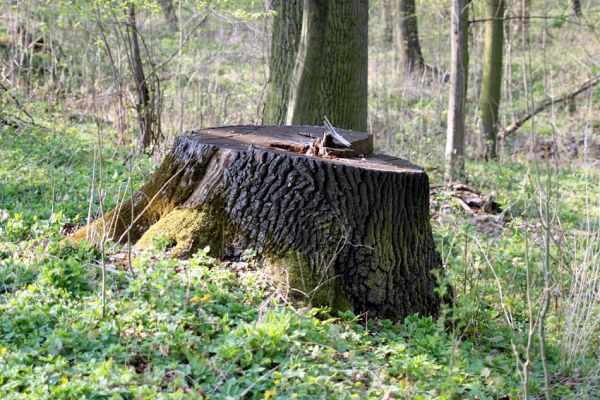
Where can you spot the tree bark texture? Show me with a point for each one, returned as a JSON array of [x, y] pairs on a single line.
[[491, 83], [342, 94], [306, 79], [344, 90], [351, 232], [455, 138], [287, 25], [408, 37]]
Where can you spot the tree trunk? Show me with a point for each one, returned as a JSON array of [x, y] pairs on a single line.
[[455, 139], [343, 70], [287, 25], [143, 106], [408, 40], [491, 82], [306, 79], [351, 232], [387, 19], [344, 87], [575, 8], [523, 11], [170, 14]]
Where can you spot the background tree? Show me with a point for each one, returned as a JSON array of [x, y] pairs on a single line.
[[408, 36], [170, 14], [342, 91], [144, 103], [287, 24], [344, 84], [308, 69], [575, 7], [455, 137], [491, 83], [387, 19]]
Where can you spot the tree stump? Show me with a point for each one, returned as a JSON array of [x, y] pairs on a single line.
[[337, 226]]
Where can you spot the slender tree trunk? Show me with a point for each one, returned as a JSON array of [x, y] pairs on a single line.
[[523, 8], [575, 8], [455, 139], [170, 14], [287, 25], [342, 91], [306, 79], [408, 40], [143, 105], [491, 83], [387, 17]]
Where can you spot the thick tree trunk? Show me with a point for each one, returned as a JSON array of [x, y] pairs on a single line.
[[287, 25], [455, 138], [408, 40], [491, 82], [143, 106], [345, 77], [351, 232], [306, 79], [342, 94]]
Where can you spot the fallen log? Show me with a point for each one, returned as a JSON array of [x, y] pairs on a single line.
[[349, 232]]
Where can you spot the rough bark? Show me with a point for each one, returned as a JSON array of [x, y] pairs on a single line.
[[306, 79], [287, 25], [408, 40], [491, 82], [348, 232], [343, 84], [455, 138]]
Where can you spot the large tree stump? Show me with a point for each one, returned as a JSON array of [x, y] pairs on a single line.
[[348, 229]]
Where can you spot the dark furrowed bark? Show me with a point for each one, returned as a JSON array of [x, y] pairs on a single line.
[[357, 226]]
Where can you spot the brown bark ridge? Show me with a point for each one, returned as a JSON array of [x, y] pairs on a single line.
[[349, 232]]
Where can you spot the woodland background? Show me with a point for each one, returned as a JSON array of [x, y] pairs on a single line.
[[519, 238]]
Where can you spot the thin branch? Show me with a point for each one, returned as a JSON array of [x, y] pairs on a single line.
[[548, 103], [544, 17]]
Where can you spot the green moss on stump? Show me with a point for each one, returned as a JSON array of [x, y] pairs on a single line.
[[293, 274], [188, 229]]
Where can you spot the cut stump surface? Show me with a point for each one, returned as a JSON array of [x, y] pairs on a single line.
[[349, 230]]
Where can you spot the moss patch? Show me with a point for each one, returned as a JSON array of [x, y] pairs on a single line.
[[303, 284], [188, 229]]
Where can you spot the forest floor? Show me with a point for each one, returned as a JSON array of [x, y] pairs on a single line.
[[204, 329]]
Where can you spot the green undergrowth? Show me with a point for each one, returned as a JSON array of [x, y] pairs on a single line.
[[196, 329], [204, 329], [46, 176]]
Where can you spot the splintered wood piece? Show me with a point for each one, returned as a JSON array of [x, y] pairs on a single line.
[[335, 134], [347, 232]]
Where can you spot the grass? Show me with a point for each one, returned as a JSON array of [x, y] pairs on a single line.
[[204, 329]]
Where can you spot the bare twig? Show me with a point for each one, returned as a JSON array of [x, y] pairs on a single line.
[[553, 101]]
